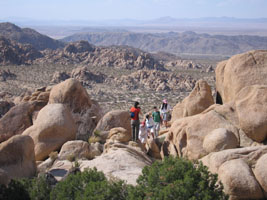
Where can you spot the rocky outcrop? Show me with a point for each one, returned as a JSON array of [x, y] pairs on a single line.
[[59, 77], [236, 168], [251, 108], [119, 135], [86, 77], [186, 135], [154, 80], [17, 119], [115, 56], [85, 111], [17, 158], [13, 53], [113, 119], [187, 64], [241, 70], [120, 161], [53, 127], [197, 101], [72, 94], [73, 150]]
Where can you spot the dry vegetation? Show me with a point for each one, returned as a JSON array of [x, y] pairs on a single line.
[[108, 95]]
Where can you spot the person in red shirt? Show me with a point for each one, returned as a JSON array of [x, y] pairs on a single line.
[[135, 122]]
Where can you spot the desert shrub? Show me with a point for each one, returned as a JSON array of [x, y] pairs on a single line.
[[14, 190], [35, 189], [94, 139], [89, 184], [177, 179]]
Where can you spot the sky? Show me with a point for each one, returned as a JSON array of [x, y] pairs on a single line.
[[130, 9]]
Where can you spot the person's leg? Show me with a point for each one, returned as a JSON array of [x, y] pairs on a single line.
[[133, 130], [137, 129]]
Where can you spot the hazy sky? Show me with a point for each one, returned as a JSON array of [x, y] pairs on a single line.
[[134, 9]]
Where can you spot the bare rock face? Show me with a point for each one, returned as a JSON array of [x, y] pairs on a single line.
[[261, 172], [85, 111], [113, 119], [220, 139], [239, 71], [17, 119], [197, 101], [74, 149], [17, 157], [120, 161], [187, 64], [15, 53], [252, 111], [156, 80], [152, 148], [78, 47], [119, 134], [59, 77], [71, 93], [239, 181], [53, 127], [236, 169], [186, 135], [86, 77]]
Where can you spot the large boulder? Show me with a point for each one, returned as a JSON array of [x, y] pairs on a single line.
[[119, 134], [113, 119], [17, 157], [53, 127], [197, 101], [71, 93], [187, 134], [239, 71], [251, 107], [17, 119], [85, 111], [261, 172], [239, 181], [120, 161], [73, 150], [235, 168], [220, 139]]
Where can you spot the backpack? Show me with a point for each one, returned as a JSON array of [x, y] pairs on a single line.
[[132, 114]]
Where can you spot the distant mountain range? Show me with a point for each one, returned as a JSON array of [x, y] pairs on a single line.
[[28, 36], [177, 43]]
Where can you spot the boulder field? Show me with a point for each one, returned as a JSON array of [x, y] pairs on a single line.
[[58, 129]]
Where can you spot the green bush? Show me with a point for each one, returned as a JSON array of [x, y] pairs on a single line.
[[169, 179], [88, 185], [177, 179]]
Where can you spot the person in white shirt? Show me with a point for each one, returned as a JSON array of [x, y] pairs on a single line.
[[149, 125], [165, 111]]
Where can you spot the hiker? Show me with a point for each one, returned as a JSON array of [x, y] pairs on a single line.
[[165, 112], [149, 125], [135, 123], [143, 133], [157, 120]]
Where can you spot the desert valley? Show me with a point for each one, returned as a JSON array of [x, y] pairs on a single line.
[[65, 102]]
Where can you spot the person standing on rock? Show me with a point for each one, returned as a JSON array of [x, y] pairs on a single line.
[[165, 111], [135, 122], [157, 119]]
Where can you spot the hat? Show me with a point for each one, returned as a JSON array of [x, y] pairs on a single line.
[[164, 101]]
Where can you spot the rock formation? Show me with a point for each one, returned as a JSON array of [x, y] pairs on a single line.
[[17, 158]]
